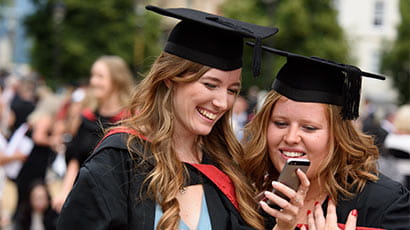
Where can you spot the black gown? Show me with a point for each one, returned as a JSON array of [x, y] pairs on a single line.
[[90, 131], [384, 204], [108, 193], [34, 168]]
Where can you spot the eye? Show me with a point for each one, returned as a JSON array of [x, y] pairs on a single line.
[[310, 128], [233, 91], [280, 124], [209, 85]]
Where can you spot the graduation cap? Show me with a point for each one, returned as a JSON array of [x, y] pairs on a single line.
[[212, 40], [314, 79]]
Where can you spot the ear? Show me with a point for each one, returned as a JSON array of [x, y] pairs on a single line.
[[168, 83]]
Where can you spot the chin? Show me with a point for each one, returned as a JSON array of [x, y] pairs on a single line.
[[203, 132]]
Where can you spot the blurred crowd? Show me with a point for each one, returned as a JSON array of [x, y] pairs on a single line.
[[45, 136], [56, 122]]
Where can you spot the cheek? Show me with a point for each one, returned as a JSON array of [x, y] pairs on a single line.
[[273, 139], [231, 101], [319, 150]]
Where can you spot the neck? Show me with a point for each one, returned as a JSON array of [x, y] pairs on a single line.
[[109, 106], [316, 192], [187, 148]]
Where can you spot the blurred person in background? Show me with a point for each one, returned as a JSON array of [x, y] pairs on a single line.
[[239, 116], [23, 102], [37, 213], [397, 143], [68, 119], [41, 122], [7, 94], [387, 122], [110, 87], [252, 100]]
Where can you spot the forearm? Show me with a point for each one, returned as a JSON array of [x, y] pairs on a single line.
[[7, 159], [71, 173]]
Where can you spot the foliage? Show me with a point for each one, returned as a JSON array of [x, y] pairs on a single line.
[[307, 27], [147, 46], [4, 2], [396, 61], [68, 37]]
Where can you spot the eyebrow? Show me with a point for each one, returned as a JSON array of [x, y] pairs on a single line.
[[219, 81]]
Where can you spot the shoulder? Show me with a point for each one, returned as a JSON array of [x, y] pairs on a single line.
[[387, 196], [109, 151], [385, 186], [384, 193], [384, 203], [379, 194], [112, 152]]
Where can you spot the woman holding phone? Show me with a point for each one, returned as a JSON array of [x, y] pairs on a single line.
[[308, 114]]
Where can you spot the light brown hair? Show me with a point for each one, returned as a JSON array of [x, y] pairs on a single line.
[[153, 115], [402, 119]]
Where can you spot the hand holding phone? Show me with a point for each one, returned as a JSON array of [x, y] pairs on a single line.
[[288, 175]]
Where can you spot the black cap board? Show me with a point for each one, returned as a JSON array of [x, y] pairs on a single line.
[[212, 40], [314, 79]]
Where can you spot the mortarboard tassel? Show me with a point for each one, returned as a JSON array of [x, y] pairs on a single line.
[[257, 56], [351, 93]]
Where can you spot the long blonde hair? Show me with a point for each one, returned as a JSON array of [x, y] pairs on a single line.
[[152, 115], [351, 161]]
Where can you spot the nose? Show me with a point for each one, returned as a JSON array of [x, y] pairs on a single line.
[[292, 136], [220, 100]]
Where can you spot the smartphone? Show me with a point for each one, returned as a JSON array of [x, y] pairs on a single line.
[[288, 175]]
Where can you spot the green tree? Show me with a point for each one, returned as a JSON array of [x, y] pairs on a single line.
[[68, 36], [307, 27], [3, 2], [396, 61]]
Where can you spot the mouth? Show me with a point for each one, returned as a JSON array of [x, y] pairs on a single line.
[[292, 154], [207, 114]]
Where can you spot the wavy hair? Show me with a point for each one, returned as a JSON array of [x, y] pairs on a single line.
[[152, 115], [351, 161]]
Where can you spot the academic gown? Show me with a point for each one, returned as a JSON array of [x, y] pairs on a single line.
[[90, 131], [107, 193], [383, 204]]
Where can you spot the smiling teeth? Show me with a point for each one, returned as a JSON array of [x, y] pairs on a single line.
[[207, 114], [293, 154]]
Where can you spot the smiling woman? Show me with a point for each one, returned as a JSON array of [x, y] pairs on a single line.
[[211, 96]]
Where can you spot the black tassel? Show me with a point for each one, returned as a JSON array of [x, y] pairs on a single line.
[[257, 56], [351, 93]]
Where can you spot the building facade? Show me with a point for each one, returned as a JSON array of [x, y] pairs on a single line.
[[14, 43], [370, 27]]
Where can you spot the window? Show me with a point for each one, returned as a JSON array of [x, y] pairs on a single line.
[[378, 13], [374, 61]]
